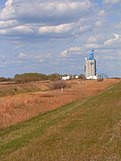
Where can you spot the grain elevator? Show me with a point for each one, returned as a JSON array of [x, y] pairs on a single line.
[[90, 66]]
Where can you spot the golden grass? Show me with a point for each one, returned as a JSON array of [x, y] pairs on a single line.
[[21, 107], [88, 130]]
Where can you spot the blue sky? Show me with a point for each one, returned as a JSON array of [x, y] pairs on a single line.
[[55, 36]]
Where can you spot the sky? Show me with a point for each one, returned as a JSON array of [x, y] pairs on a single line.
[[55, 36]]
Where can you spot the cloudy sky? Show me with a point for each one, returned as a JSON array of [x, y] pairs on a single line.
[[55, 36]]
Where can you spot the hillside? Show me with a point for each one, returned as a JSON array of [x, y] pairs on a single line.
[[85, 130], [20, 102]]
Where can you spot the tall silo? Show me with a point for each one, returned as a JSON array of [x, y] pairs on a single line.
[[90, 66]]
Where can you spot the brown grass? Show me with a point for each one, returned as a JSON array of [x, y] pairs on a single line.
[[18, 108]]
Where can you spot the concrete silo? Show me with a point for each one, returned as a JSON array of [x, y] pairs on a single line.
[[90, 66]]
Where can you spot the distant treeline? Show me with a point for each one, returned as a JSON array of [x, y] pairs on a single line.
[[2, 79], [29, 77]]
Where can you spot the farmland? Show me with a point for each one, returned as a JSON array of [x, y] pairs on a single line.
[[79, 124]]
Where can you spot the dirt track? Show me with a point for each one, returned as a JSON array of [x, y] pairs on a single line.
[[18, 108]]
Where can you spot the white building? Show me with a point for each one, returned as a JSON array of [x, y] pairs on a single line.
[[66, 78]]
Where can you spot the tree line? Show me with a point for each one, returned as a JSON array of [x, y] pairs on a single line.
[[29, 77]]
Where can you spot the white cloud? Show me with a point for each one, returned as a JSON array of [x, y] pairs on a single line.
[[94, 38], [7, 12], [42, 18], [23, 29], [22, 55], [101, 13], [17, 30], [55, 29], [111, 1], [99, 23], [84, 28], [3, 32], [116, 38], [92, 46], [44, 11], [8, 23], [70, 50]]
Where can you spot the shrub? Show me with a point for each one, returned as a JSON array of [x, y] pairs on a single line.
[[54, 76], [82, 76], [100, 79], [58, 85], [2, 79]]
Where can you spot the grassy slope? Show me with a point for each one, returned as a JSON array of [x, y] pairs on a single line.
[[13, 89], [89, 130]]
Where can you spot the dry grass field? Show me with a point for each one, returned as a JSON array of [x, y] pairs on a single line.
[[20, 102], [88, 129]]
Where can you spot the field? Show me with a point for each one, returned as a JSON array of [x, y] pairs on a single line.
[[86, 129], [20, 102]]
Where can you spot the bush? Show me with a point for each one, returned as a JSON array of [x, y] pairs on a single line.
[[82, 76], [54, 76], [58, 85], [29, 77], [2, 79], [100, 79]]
